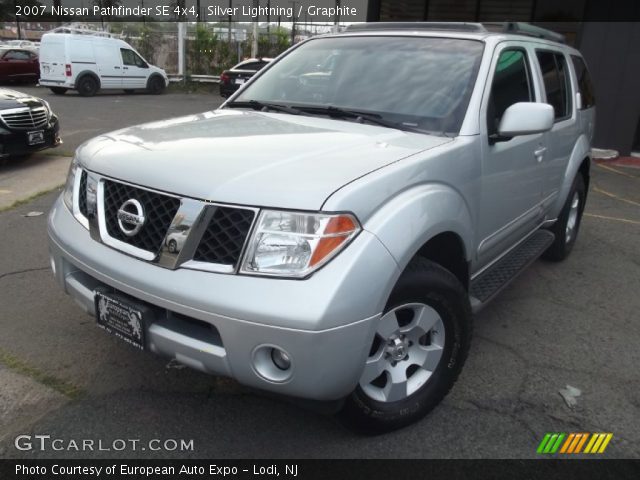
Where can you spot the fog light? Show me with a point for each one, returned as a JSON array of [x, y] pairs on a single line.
[[281, 359]]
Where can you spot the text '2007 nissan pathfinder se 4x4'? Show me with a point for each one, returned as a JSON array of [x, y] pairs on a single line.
[[340, 226]]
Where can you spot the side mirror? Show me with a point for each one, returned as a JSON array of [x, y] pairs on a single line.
[[526, 118]]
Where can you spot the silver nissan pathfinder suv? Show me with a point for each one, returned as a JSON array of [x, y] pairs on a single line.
[[341, 216]]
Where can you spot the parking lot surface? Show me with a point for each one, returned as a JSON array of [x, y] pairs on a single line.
[[570, 324]]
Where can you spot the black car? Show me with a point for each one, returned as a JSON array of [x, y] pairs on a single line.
[[232, 80], [27, 124]]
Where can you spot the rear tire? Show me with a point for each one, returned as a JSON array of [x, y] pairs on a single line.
[[568, 224], [58, 90], [88, 86], [432, 310], [156, 85], [129, 91]]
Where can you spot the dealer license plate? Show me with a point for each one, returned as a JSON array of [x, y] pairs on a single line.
[[36, 137], [122, 318]]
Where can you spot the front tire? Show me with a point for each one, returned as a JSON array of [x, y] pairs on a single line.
[[156, 85], [418, 351], [58, 90], [568, 224]]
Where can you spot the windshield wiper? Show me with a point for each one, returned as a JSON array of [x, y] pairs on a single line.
[[264, 106], [361, 117]]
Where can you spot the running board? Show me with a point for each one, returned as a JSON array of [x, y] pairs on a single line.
[[490, 282]]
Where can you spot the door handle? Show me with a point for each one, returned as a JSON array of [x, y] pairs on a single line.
[[126, 68], [539, 153], [117, 68]]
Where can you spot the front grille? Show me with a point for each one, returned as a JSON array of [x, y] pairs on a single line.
[[25, 119], [159, 211], [82, 195], [225, 235]]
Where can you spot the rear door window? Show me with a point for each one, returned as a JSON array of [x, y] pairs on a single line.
[[584, 82], [557, 85]]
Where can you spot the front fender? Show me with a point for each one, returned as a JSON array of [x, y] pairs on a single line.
[[581, 150], [409, 220]]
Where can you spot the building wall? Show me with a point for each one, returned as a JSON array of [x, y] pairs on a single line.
[[613, 55]]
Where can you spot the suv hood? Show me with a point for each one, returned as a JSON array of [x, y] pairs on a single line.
[[250, 158]]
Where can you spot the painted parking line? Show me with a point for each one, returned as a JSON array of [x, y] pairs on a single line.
[[617, 197], [617, 219]]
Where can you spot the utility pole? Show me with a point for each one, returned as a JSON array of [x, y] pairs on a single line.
[[337, 17], [293, 25], [254, 40], [229, 32], [15, 9]]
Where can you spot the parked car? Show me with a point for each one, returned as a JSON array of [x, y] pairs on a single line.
[[27, 124], [18, 65], [341, 237], [175, 239], [90, 62], [231, 80], [23, 44]]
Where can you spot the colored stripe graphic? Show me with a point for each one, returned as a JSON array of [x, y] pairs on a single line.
[[572, 443]]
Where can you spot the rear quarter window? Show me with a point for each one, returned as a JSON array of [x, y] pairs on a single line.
[[584, 82]]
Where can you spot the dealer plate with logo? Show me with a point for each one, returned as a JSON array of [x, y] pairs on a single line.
[[36, 137], [123, 318]]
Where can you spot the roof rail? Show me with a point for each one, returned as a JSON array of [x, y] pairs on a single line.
[[451, 26], [521, 28], [81, 31]]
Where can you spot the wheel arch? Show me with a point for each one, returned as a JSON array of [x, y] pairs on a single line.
[[579, 163], [432, 221], [86, 73]]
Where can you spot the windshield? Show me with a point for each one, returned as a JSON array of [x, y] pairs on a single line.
[[420, 82]]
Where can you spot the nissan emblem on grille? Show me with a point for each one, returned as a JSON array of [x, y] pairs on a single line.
[[131, 217]]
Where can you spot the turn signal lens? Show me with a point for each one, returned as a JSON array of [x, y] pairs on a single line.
[[294, 244]]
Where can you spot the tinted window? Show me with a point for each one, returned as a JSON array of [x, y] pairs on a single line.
[[424, 83], [584, 82], [129, 57], [556, 82], [17, 55], [511, 84], [253, 66]]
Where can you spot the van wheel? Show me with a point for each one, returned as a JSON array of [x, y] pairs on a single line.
[[129, 91], [58, 90], [568, 223], [420, 345], [87, 86], [156, 85]]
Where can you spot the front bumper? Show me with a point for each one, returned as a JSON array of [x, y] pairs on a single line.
[[215, 322], [15, 142]]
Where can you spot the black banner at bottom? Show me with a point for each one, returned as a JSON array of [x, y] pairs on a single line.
[[319, 469]]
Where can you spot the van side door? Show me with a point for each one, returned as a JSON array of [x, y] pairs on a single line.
[[558, 92], [109, 64], [511, 180], [135, 70]]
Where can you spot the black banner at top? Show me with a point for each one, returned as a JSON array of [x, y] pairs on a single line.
[[326, 11]]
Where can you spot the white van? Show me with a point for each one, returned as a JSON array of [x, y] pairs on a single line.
[[90, 62]]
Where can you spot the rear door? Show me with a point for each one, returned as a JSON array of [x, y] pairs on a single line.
[[558, 92], [52, 58], [135, 70]]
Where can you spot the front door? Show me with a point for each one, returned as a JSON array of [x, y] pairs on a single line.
[[511, 178], [135, 70]]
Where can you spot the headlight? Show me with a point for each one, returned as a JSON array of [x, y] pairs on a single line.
[[47, 108], [67, 194], [293, 244]]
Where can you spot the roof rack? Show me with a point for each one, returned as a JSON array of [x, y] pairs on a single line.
[[518, 28], [448, 26], [521, 28], [81, 31]]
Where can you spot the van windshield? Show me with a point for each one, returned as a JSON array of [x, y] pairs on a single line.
[[420, 82]]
